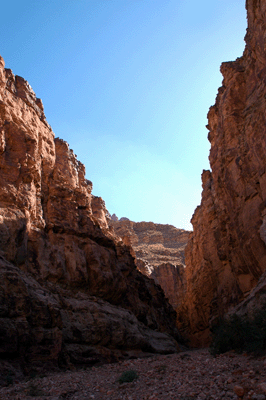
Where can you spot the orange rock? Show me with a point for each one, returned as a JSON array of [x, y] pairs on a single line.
[[239, 390], [158, 250], [70, 290], [226, 254]]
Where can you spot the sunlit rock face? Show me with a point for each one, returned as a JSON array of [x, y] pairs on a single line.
[[226, 254], [70, 292], [159, 252]]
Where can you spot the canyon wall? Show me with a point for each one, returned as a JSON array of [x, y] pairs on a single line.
[[226, 254], [70, 293], [159, 251]]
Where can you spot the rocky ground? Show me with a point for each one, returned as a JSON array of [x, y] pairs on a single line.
[[184, 376]]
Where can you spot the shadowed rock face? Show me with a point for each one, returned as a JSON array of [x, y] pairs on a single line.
[[226, 254], [69, 290], [159, 252]]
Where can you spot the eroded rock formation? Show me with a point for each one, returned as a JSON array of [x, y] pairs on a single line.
[[159, 253], [226, 254], [69, 289]]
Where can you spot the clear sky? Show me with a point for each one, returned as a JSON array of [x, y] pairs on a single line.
[[128, 84]]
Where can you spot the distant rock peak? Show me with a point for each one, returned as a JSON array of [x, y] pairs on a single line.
[[158, 250]]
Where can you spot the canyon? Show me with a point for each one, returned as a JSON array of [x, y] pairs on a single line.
[[78, 287], [226, 253], [223, 271], [70, 293], [159, 252]]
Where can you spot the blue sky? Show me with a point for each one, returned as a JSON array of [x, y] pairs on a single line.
[[128, 84]]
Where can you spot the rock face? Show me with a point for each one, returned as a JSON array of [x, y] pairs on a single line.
[[226, 254], [69, 290], [159, 253]]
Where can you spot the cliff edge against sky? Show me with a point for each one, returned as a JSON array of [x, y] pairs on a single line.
[[226, 253], [70, 293]]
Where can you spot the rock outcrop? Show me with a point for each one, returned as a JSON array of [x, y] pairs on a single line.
[[226, 254], [70, 293], [159, 252]]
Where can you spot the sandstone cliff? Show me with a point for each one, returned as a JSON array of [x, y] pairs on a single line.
[[69, 290], [159, 253], [226, 254]]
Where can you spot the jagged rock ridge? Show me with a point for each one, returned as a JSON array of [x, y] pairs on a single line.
[[159, 253], [69, 290], [226, 254]]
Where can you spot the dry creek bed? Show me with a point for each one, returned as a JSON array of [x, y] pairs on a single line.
[[190, 375]]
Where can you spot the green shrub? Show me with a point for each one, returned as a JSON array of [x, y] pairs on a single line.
[[128, 376], [240, 334], [9, 378], [34, 391]]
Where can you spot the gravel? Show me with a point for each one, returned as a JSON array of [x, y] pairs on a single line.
[[184, 376]]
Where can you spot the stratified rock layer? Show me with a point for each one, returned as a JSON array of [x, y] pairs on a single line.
[[69, 290], [226, 254], [159, 253]]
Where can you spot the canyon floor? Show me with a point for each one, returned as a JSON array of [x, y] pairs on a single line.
[[184, 376]]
